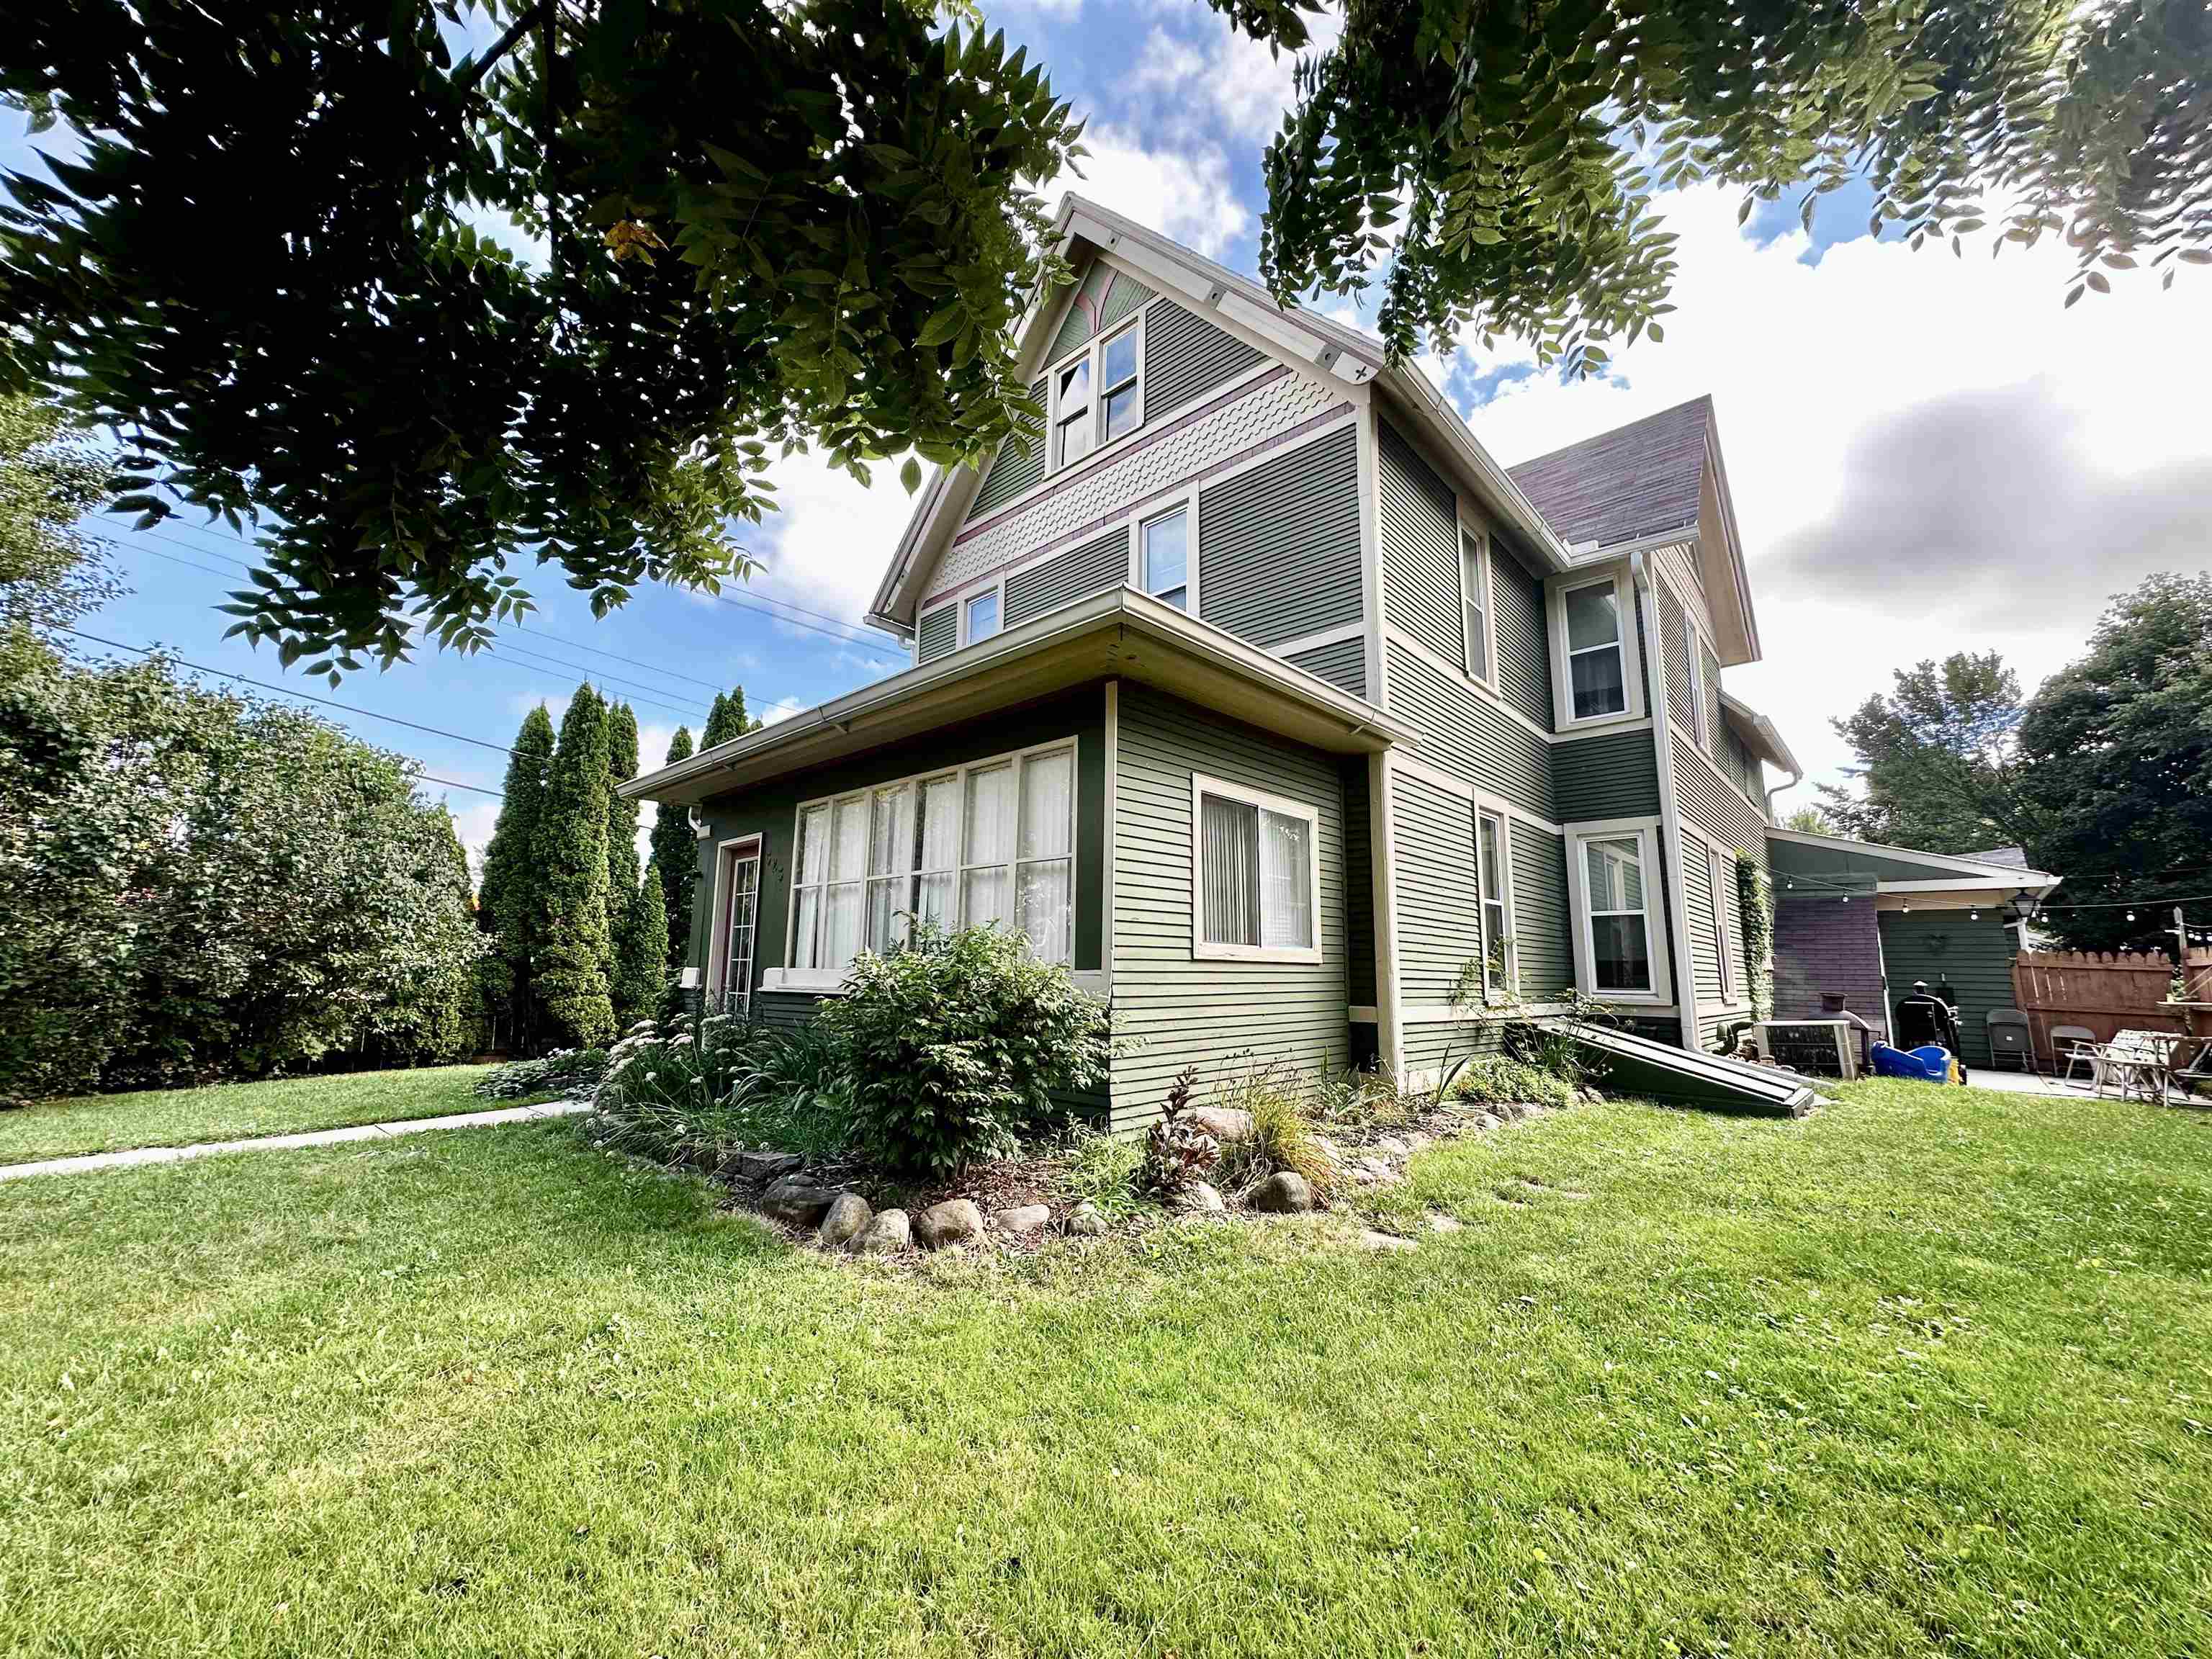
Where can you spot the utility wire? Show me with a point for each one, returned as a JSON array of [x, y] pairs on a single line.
[[450, 784]]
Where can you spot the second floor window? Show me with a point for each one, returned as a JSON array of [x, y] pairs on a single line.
[[1099, 396], [1474, 600], [1594, 666], [982, 616], [1166, 557], [1118, 382]]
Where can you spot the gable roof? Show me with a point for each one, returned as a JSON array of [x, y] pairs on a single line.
[[1630, 484], [1310, 343]]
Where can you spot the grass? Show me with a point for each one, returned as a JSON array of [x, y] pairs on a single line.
[[232, 1111], [1927, 1372]]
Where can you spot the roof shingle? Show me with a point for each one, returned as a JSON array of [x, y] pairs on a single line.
[[1636, 481]]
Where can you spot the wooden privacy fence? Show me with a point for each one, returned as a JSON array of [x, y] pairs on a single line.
[[2109, 993]]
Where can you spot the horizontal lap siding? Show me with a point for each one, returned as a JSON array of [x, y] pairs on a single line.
[[1707, 802], [1125, 298], [1102, 563], [1709, 669], [1176, 1008], [1974, 956], [1698, 897], [1343, 664], [1524, 645], [939, 632], [1543, 945], [1279, 544], [1674, 633], [1430, 1047], [1186, 357], [1358, 882], [1608, 777], [1438, 923], [1469, 736], [1020, 462], [1420, 550]]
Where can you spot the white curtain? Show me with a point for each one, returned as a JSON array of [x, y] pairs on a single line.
[[1229, 871], [1044, 877], [1286, 881], [940, 851], [813, 871], [890, 857], [841, 917], [989, 895]]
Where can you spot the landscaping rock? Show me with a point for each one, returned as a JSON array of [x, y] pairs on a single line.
[[1329, 1149], [1197, 1199], [1418, 1142], [1024, 1219], [1222, 1122], [768, 1166], [1084, 1221], [1285, 1193], [848, 1217], [1374, 1241], [954, 1221], [1373, 1172], [1391, 1147], [1488, 1121], [796, 1199], [1441, 1222], [888, 1231]]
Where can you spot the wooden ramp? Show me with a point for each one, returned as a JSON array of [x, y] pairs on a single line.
[[1659, 1070]]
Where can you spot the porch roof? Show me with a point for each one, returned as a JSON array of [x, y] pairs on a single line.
[[1118, 633], [1859, 866]]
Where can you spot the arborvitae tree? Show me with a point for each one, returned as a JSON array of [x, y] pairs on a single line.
[[641, 965], [727, 719], [676, 855], [572, 946], [507, 899], [621, 815]]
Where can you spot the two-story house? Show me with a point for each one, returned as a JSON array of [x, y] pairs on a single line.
[[1254, 691]]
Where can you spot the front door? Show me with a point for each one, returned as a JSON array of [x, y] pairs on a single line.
[[739, 924]]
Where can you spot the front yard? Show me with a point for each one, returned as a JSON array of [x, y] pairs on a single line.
[[1930, 1371]]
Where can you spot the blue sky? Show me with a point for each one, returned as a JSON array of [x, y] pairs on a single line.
[[1927, 454]]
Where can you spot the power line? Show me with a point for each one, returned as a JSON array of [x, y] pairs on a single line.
[[449, 783], [287, 691]]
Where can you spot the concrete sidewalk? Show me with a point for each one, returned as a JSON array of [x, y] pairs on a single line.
[[283, 1143]]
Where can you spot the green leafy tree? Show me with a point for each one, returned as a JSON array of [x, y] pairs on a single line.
[[621, 815], [676, 855], [508, 900], [839, 254], [1808, 821], [2119, 749], [727, 719], [1475, 150], [51, 572], [571, 945], [1938, 762], [641, 951]]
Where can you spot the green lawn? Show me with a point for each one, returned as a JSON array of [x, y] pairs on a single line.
[[230, 1111], [1931, 1371]]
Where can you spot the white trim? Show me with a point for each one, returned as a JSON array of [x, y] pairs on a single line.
[[1556, 590], [1186, 504], [961, 598], [728, 853], [1382, 838], [1481, 537], [1315, 641], [1511, 938], [1645, 830], [1113, 837], [1203, 949]]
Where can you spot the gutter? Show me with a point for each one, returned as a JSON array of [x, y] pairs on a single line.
[[1412, 387]]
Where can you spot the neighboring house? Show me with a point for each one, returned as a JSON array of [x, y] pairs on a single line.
[[1253, 688]]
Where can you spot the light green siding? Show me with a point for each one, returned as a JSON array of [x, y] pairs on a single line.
[[1975, 957], [1343, 664], [1674, 634], [1707, 801], [1468, 735], [1020, 463], [1542, 929], [1439, 927], [1175, 1008], [1697, 898], [1279, 544], [1102, 562], [1524, 645], [1081, 321], [1613, 777], [1186, 357], [1420, 550], [939, 632], [1125, 298]]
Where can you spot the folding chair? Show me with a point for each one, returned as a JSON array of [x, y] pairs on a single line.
[[2073, 1046], [2012, 1041]]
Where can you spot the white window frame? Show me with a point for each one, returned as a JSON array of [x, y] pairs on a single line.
[[1646, 832], [1694, 663], [1201, 948], [1557, 589], [1721, 865], [1094, 350], [961, 601], [1187, 505], [1497, 812], [1489, 607], [788, 978], [727, 855]]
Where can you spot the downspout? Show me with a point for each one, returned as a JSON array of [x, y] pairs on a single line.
[[1796, 778]]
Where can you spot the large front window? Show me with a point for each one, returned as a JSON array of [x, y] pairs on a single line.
[[1595, 667], [1256, 874], [1619, 917], [989, 843]]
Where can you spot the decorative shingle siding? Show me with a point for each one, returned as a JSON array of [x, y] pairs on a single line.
[[1343, 664], [1469, 736], [1542, 929], [1186, 357], [1358, 883], [1615, 776], [1179, 1009], [1420, 550], [1524, 647], [1673, 633], [1941, 946], [939, 632], [1439, 929], [1104, 562], [1707, 801], [1278, 543], [1017, 466]]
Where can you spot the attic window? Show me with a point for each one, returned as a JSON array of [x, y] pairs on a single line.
[[1071, 413], [1099, 396]]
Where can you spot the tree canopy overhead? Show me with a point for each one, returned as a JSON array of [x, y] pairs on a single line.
[[1477, 147], [757, 223]]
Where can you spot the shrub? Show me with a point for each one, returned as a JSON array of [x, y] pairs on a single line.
[[694, 1091], [568, 1071], [1491, 1077], [1363, 1102], [957, 1044], [1283, 1138], [1101, 1170]]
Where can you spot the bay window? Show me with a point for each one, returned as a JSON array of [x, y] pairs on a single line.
[[1255, 874]]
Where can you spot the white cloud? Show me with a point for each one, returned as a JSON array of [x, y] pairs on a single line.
[[1216, 67], [831, 538], [1185, 194], [782, 710]]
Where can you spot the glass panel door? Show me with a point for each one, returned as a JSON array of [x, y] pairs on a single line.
[[740, 926]]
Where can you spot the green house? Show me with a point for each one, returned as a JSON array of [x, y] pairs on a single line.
[[1250, 686]]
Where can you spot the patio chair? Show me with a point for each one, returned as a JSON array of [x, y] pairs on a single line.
[[2138, 1061], [2196, 1078], [2073, 1046], [2012, 1041]]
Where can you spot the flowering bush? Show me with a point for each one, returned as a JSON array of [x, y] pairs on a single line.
[[570, 1072], [695, 1089]]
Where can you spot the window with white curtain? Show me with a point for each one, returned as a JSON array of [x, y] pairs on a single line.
[[991, 842], [1255, 872], [1597, 669], [1618, 914]]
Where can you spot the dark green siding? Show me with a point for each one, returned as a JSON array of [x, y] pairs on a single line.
[[1542, 929], [1186, 357], [770, 810], [1358, 883], [1343, 664], [1102, 562], [1974, 956], [1524, 647], [1431, 1045], [1176, 1008], [1279, 544], [1420, 550], [1439, 928], [1615, 776], [939, 632], [1706, 801], [1469, 736], [1020, 462]]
